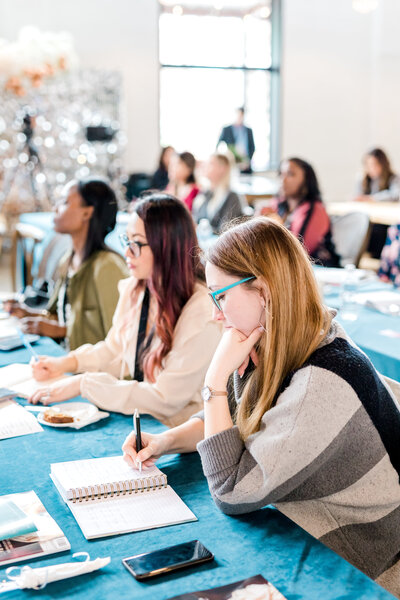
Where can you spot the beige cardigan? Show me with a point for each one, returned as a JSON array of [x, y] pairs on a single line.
[[175, 394]]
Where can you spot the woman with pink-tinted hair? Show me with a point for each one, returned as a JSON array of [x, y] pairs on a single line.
[[182, 180], [163, 337]]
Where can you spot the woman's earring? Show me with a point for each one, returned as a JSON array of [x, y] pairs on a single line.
[[259, 320]]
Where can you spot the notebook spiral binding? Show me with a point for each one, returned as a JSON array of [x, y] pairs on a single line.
[[118, 488]]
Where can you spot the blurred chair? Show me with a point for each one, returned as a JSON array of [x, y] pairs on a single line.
[[25, 238], [136, 184], [3, 230], [351, 234], [55, 250], [46, 274]]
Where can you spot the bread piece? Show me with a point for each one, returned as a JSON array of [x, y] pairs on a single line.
[[52, 416]]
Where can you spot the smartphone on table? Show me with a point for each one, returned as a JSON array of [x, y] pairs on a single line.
[[168, 559]]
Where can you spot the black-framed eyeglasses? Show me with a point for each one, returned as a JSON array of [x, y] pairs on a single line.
[[134, 246]]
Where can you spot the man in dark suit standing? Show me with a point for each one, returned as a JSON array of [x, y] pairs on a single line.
[[240, 142]]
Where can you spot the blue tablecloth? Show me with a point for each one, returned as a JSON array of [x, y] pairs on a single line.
[[262, 542], [372, 331]]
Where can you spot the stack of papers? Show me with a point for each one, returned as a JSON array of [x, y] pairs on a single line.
[[16, 421], [384, 301], [41, 534], [332, 276]]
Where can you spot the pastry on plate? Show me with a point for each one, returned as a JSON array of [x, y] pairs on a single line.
[[55, 416]]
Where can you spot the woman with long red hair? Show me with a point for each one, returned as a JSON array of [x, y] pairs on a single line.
[[163, 336]]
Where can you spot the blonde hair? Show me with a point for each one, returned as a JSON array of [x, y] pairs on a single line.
[[296, 319], [224, 160]]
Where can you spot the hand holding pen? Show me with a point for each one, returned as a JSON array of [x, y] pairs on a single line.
[[136, 425], [153, 445]]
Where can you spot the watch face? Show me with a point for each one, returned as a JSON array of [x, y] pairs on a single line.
[[206, 393]]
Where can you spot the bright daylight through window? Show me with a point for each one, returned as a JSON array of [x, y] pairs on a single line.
[[216, 57]]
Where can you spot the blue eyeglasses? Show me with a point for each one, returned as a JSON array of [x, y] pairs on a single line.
[[216, 296]]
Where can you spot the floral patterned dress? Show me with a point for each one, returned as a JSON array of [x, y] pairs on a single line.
[[389, 269]]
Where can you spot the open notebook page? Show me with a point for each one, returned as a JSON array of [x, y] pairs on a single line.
[[16, 421], [96, 471], [13, 374], [134, 512], [18, 377]]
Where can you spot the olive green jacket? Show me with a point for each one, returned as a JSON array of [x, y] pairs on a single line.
[[92, 295]]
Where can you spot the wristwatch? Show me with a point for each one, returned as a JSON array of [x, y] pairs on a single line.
[[207, 393]]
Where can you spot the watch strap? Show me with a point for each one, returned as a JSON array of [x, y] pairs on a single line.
[[216, 393]]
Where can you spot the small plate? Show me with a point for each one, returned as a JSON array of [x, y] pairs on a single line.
[[82, 412]]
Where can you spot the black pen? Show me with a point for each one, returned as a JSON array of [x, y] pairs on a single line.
[[136, 424]]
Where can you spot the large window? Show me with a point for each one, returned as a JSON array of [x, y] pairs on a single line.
[[216, 57]]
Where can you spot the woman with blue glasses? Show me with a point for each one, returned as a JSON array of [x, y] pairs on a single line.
[[294, 414]]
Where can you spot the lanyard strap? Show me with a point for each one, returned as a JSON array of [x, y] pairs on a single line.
[[144, 313]]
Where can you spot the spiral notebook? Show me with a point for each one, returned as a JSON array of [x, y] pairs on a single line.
[[107, 497]]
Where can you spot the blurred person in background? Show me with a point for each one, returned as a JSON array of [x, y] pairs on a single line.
[[301, 210], [219, 204], [182, 180], [240, 141], [379, 183], [389, 269], [160, 178]]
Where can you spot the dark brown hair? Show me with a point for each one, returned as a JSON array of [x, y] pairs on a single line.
[[190, 162], [387, 173]]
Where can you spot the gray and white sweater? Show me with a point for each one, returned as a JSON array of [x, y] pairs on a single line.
[[327, 455]]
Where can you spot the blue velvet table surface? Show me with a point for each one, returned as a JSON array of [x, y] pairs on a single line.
[[262, 542], [370, 330]]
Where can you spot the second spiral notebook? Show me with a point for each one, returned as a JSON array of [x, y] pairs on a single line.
[[107, 497]]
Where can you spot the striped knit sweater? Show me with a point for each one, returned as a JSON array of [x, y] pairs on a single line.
[[327, 455]]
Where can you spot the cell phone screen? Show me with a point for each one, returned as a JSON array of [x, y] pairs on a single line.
[[167, 559]]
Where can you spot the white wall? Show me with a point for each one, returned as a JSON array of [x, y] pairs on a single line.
[[340, 87], [109, 34], [340, 75], [385, 93]]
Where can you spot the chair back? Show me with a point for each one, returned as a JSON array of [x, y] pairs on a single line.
[[350, 234], [25, 239], [54, 251]]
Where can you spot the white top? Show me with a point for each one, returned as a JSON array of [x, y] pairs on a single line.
[[175, 394]]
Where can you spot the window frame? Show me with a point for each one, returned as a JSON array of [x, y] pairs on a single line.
[[275, 81]]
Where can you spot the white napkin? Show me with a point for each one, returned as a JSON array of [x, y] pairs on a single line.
[[39, 578], [96, 417]]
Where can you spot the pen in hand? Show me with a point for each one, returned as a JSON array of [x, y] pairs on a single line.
[[28, 345], [136, 424]]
